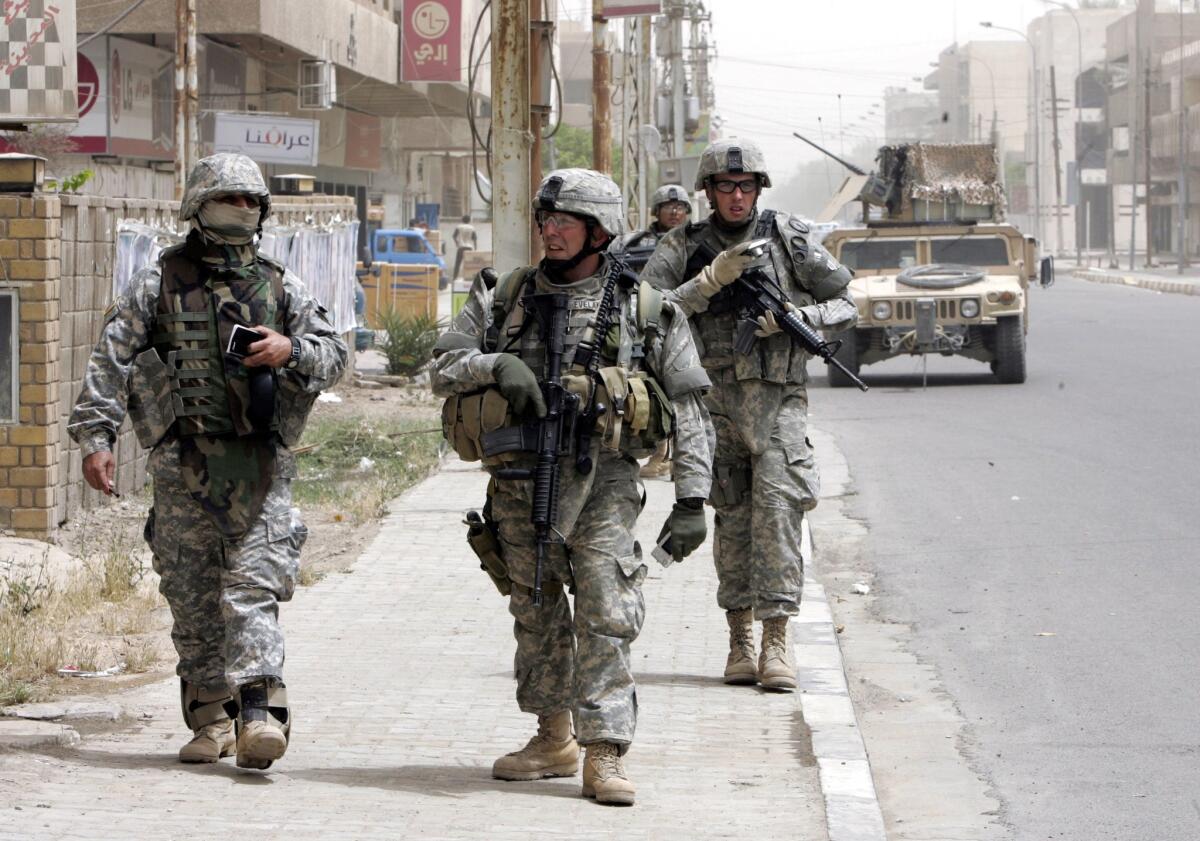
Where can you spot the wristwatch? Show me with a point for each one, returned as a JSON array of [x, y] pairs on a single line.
[[294, 359]]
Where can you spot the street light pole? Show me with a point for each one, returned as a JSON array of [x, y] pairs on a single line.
[[1037, 134], [1078, 119]]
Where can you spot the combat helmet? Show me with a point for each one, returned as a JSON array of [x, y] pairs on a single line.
[[583, 192], [223, 174], [669, 193], [737, 155]]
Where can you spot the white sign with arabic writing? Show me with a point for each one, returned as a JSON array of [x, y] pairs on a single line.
[[37, 61], [267, 140]]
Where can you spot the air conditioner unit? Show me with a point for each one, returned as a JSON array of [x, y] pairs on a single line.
[[318, 84]]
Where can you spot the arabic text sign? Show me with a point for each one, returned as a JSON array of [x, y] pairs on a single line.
[[268, 140], [37, 60], [629, 8], [431, 45]]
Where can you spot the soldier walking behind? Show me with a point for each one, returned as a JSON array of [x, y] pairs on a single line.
[[626, 349], [670, 207], [764, 474], [219, 404]]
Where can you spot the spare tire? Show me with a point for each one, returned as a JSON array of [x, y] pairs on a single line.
[[940, 276]]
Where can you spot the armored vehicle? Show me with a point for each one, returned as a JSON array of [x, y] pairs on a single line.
[[941, 271]]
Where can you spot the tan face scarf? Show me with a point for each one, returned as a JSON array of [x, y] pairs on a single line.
[[228, 224]]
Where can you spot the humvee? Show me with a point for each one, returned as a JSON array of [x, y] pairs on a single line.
[[941, 272]]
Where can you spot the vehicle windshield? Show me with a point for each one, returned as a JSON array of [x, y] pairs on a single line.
[[404, 245], [879, 254], [971, 251]]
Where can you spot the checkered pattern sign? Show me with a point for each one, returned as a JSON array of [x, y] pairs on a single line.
[[37, 61]]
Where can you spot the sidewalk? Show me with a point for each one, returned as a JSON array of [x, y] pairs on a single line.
[[1166, 279], [401, 684]]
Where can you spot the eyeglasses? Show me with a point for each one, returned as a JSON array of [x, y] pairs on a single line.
[[674, 207], [561, 221], [750, 185]]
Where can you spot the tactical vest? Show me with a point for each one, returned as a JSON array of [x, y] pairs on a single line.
[[647, 416], [775, 359], [214, 394]]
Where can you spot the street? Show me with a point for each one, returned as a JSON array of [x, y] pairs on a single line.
[[1036, 546]]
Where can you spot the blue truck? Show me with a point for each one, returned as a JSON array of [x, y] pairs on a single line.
[[407, 245]]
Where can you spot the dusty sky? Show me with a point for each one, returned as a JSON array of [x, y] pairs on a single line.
[[782, 62]]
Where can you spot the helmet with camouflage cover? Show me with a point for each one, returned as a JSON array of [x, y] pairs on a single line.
[[223, 174], [669, 193], [583, 192], [737, 155]]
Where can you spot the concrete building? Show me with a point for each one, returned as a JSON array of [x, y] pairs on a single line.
[[1141, 82], [397, 147], [1066, 44], [909, 116]]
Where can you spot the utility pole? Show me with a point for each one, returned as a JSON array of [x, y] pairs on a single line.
[[1132, 88], [601, 93], [1149, 215], [646, 94], [511, 134], [541, 38], [677, 112], [1181, 187], [186, 97], [1057, 163]]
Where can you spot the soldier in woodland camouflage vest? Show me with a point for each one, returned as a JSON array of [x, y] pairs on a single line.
[[764, 474], [625, 349], [219, 354]]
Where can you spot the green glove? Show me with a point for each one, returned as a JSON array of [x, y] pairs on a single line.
[[518, 385], [687, 527]]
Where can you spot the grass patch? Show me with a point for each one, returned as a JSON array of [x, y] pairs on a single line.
[[90, 620], [356, 465]]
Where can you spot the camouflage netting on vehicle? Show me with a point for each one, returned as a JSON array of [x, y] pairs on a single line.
[[945, 172]]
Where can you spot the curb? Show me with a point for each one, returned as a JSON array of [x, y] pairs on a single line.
[[1175, 287], [852, 811], [22, 734]]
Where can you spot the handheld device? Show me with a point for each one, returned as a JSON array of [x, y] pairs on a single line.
[[240, 340]]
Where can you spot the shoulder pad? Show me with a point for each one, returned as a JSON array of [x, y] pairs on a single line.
[[508, 287], [650, 304], [794, 234], [797, 226]]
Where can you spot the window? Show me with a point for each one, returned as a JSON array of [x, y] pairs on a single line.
[[10, 378], [972, 251], [879, 254]]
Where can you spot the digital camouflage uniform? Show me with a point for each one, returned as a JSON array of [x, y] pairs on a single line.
[[225, 538], [637, 247], [582, 662], [764, 474]]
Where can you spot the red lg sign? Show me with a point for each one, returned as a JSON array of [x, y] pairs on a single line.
[[432, 45]]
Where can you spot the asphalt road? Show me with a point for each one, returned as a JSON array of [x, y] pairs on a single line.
[[1042, 541]]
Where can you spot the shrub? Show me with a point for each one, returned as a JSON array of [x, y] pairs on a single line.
[[408, 341]]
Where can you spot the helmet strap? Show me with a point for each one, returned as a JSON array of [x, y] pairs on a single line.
[[557, 270]]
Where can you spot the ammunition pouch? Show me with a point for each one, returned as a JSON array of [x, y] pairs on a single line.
[[730, 486], [151, 407], [639, 412], [468, 417]]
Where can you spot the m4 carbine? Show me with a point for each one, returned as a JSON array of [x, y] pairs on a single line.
[[554, 431], [754, 294]]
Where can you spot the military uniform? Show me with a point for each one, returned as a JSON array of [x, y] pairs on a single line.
[[764, 475], [581, 663], [225, 538]]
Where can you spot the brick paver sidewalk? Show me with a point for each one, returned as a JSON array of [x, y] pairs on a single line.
[[400, 677]]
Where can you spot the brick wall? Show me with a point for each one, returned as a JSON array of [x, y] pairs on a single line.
[[30, 449], [58, 252]]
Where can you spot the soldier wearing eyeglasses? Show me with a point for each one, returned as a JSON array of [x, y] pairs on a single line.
[[764, 474]]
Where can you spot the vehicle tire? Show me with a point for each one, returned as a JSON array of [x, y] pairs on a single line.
[[1009, 347], [847, 355]]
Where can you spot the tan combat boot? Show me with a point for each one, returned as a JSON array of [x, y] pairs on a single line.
[[739, 667], [264, 724], [553, 752], [604, 775], [776, 668], [210, 743]]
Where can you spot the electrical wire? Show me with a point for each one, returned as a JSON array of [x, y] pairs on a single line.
[[558, 91], [110, 24], [473, 65]]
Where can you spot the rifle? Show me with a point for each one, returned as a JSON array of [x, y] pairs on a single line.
[[553, 432], [756, 293]]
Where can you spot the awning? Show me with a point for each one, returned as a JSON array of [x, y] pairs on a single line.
[[848, 192]]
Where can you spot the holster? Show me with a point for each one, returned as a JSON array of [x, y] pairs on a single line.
[[483, 536]]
